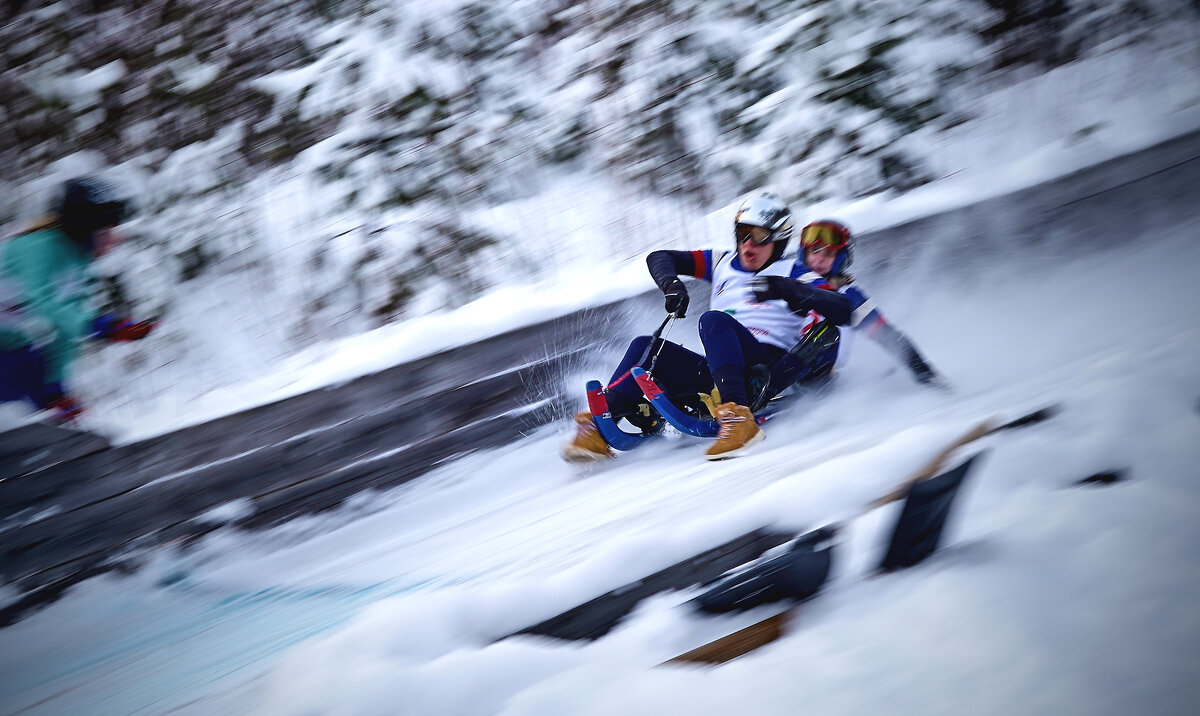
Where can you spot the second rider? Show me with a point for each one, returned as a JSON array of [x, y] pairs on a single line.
[[770, 323]]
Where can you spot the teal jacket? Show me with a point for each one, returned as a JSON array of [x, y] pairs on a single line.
[[45, 297]]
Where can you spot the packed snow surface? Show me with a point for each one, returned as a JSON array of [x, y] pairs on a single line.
[[1047, 598]]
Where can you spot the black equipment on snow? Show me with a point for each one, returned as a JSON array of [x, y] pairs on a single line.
[[795, 574], [922, 520]]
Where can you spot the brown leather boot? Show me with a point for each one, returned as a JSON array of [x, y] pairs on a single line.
[[739, 431], [588, 444]]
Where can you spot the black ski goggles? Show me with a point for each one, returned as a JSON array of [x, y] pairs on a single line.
[[824, 235], [756, 235]]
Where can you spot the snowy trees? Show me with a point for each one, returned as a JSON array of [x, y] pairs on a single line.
[[390, 110]]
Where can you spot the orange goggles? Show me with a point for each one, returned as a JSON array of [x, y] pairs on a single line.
[[822, 235], [756, 235]]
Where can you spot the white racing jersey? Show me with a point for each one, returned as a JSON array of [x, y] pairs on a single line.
[[772, 322]]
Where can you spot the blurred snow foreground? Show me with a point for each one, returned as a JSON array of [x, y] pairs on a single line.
[[310, 171], [401, 601], [1046, 599], [436, 172]]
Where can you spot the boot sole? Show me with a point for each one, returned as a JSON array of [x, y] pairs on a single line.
[[574, 454], [758, 437]]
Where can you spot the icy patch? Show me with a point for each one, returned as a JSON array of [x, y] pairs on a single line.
[[228, 512]]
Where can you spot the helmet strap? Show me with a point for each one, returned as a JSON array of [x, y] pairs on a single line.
[[836, 269], [843, 279]]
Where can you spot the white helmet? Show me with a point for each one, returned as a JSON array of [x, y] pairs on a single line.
[[766, 211]]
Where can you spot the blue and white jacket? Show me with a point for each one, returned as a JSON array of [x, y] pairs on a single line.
[[781, 322]]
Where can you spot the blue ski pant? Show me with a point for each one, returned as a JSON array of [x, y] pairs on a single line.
[[682, 374], [23, 377]]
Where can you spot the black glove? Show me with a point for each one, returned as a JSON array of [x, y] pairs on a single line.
[[767, 288], [676, 298], [924, 373], [920, 368], [771, 288], [802, 298]]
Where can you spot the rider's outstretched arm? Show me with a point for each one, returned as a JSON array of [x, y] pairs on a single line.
[[899, 345], [802, 298], [866, 317]]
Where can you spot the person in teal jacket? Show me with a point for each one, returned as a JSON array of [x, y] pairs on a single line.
[[45, 306]]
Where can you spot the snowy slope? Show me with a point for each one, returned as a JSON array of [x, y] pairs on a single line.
[[1046, 599], [1043, 581]]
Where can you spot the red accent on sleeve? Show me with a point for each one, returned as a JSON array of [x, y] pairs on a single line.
[[813, 319], [875, 325], [701, 265]]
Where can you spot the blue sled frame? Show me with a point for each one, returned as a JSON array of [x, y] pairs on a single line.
[[612, 434], [681, 421]]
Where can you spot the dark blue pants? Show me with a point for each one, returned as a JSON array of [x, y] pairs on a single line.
[[682, 374], [731, 349], [23, 377]]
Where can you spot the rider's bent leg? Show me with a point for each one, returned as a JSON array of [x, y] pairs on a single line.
[[731, 348], [817, 351], [677, 370]]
